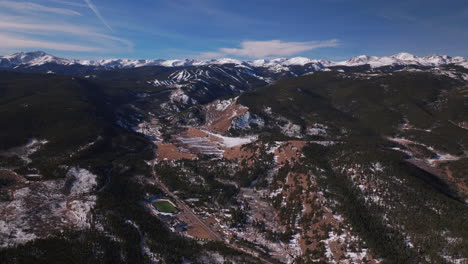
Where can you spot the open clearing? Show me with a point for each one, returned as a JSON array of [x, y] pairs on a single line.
[[165, 206]]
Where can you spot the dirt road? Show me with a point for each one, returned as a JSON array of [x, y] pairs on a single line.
[[194, 219]]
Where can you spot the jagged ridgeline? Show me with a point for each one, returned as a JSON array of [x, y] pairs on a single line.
[[282, 161]]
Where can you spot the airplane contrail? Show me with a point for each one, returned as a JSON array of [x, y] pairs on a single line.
[[98, 14]]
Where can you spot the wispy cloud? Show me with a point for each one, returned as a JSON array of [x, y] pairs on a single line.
[[11, 41], [69, 3], [33, 7], [35, 27], [271, 48], [98, 14], [54, 25], [37, 32]]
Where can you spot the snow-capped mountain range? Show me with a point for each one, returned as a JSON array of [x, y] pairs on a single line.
[[38, 58]]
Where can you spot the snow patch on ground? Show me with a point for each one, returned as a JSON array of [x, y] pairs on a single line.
[[317, 130], [23, 152], [150, 129], [377, 166], [80, 210], [178, 96], [440, 156], [345, 238], [224, 104], [291, 130], [38, 209], [230, 142], [83, 181], [15, 236], [246, 121]]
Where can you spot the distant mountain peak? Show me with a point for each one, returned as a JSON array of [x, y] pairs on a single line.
[[404, 56], [38, 58]]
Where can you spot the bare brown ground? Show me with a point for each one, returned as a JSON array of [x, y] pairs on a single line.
[[313, 230], [220, 121], [8, 175], [193, 132], [460, 185], [211, 221], [17, 182], [337, 250], [426, 167], [289, 151], [443, 173], [316, 229], [170, 152], [198, 232], [438, 168], [241, 154], [238, 152]]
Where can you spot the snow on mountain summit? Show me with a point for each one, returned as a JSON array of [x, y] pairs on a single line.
[[226, 61], [404, 56], [403, 59], [358, 60], [30, 58], [38, 58], [297, 61]]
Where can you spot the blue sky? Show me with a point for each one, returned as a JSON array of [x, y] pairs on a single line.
[[205, 29]]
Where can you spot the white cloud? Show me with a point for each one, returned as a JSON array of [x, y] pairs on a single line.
[[97, 13], [33, 7], [10, 41], [271, 48]]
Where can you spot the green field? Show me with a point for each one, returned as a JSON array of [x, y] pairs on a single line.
[[165, 207]]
